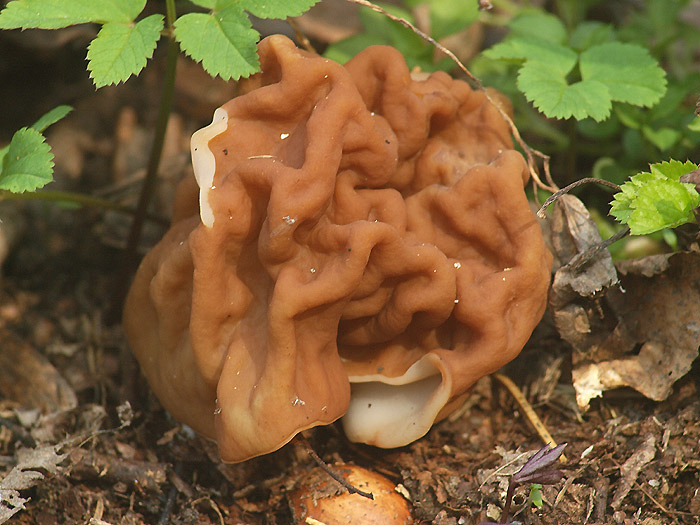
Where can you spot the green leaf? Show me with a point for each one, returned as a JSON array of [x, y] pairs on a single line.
[[121, 50], [557, 57], [652, 201], [535, 496], [448, 17], [271, 8], [672, 169], [54, 14], [539, 25], [225, 42], [694, 124], [549, 91], [51, 117], [589, 33], [206, 4], [662, 138], [629, 72], [27, 163], [663, 204]]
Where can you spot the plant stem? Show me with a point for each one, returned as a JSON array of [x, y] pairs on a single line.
[[75, 198], [509, 499], [149, 182]]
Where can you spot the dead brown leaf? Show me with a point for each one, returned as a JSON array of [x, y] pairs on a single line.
[[28, 377], [32, 466], [630, 469], [634, 324]]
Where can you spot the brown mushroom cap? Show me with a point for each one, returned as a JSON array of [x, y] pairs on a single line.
[[355, 226]]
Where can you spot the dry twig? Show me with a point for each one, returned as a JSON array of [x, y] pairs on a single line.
[[529, 411]]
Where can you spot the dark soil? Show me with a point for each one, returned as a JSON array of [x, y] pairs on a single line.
[[85, 456]]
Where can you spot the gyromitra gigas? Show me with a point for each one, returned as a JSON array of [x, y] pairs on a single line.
[[358, 243]]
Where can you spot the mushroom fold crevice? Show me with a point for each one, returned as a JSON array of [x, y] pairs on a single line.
[[358, 243]]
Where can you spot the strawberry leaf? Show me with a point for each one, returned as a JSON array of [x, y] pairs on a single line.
[[27, 163], [520, 49], [121, 50], [629, 72], [54, 14], [223, 41], [272, 8], [549, 91]]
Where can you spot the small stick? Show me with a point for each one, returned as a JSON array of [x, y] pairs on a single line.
[[301, 37], [574, 185], [582, 259], [327, 468], [529, 411]]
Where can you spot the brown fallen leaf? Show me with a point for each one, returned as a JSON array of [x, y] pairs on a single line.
[[32, 466], [28, 378], [630, 469], [657, 332], [642, 333], [576, 294]]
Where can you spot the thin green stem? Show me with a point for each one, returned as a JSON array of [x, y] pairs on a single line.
[[76, 198], [149, 182]]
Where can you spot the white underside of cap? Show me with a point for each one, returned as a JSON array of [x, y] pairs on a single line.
[[391, 412], [204, 164]]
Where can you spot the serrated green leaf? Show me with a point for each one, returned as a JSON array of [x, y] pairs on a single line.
[[654, 200], [275, 8], [51, 117], [54, 14], [589, 33], [621, 207], [662, 204], [629, 72], [519, 49], [121, 50], [225, 43], [27, 163], [672, 169], [549, 91], [448, 17], [539, 25]]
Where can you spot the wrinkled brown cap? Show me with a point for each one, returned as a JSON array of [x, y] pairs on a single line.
[[355, 226]]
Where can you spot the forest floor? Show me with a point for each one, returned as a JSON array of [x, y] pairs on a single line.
[[82, 439]]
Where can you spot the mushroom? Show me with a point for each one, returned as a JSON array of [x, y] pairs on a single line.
[[316, 498], [357, 243]]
